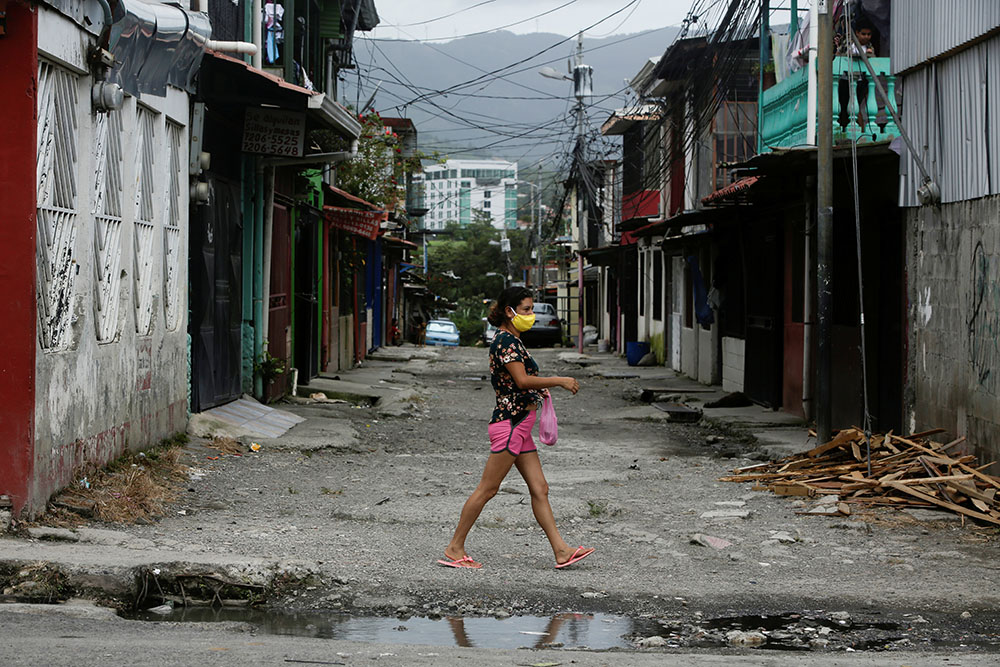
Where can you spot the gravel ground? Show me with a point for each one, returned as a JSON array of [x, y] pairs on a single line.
[[377, 511]]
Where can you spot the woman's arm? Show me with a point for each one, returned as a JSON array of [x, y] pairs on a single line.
[[525, 381]]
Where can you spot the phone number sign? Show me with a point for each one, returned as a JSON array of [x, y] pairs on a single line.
[[274, 132]]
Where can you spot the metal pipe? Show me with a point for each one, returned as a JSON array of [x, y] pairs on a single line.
[[793, 20], [824, 226], [268, 243], [288, 50], [762, 61], [256, 21], [231, 47], [811, 90]]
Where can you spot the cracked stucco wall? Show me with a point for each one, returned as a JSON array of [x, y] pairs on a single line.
[[953, 293]]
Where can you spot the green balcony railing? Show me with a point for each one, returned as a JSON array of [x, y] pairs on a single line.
[[859, 111]]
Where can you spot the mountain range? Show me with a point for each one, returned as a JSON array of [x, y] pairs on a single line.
[[514, 113]]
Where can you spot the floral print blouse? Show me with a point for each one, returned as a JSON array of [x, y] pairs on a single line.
[[512, 402]]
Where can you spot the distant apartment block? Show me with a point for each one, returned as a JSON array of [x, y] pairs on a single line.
[[455, 190]]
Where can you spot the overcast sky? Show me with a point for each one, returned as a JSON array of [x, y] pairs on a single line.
[[398, 17]]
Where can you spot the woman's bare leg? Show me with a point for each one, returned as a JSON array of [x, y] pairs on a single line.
[[497, 467], [530, 467]]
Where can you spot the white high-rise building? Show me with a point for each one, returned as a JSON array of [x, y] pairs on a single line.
[[455, 190]]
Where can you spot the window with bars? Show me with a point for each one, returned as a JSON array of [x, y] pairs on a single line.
[[57, 194], [108, 225], [172, 228], [735, 129], [144, 226]]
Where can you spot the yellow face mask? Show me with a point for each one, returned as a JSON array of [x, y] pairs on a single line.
[[522, 322]]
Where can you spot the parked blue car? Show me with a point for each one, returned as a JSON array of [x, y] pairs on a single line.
[[442, 332]]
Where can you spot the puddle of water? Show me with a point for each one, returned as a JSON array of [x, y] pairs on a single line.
[[594, 631]]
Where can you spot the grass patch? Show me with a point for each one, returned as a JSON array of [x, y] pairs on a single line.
[[597, 508], [330, 492], [136, 486]]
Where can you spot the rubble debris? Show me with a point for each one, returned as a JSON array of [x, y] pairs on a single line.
[[912, 472], [717, 543]]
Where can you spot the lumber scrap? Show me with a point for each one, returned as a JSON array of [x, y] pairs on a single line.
[[901, 472]]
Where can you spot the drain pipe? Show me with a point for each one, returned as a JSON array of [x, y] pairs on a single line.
[[811, 90], [257, 19], [105, 39]]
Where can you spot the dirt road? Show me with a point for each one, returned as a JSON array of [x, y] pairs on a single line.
[[377, 513]]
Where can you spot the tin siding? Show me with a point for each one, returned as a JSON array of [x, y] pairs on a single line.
[[950, 110], [924, 29]]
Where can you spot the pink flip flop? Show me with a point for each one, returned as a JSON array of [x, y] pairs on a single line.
[[577, 556], [464, 561]]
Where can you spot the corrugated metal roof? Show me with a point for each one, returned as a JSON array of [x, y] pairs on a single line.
[[925, 29], [950, 111]]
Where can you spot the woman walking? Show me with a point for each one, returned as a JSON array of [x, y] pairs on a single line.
[[520, 392]]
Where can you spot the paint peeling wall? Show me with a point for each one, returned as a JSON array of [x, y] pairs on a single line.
[[111, 353], [953, 260]]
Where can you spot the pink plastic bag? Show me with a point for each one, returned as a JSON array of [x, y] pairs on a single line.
[[548, 427]]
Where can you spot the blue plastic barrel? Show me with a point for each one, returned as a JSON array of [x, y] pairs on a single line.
[[636, 350]]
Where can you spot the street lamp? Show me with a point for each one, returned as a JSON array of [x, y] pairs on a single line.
[[494, 273]]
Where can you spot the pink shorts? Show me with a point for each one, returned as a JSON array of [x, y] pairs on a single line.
[[516, 439]]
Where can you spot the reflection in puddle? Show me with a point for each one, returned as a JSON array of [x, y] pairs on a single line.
[[594, 631]]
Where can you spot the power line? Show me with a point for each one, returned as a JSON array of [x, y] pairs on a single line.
[[480, 32], [439, 18]]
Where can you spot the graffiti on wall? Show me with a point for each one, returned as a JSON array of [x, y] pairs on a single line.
[[984, 319]]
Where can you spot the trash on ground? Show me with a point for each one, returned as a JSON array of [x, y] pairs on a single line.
[[709, 541], [905, 473]]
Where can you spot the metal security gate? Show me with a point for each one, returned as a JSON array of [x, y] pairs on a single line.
[[307, 295], [216, 296]]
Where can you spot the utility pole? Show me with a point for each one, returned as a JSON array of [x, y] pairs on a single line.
[[764, 58], [538, 221], [824, 223], [582, 85]]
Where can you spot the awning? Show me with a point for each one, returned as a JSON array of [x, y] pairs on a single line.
[[622, 119], [154, 45], [652, 229], [392, 240], [337, 197], [363, 223], [603, 256], [732, 191], [227, 80]]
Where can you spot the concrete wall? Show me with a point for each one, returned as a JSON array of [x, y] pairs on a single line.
[[953, 290], [733, 363], [111, 354]]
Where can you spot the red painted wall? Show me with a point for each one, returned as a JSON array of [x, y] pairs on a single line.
[[18, 90], [641, 204]]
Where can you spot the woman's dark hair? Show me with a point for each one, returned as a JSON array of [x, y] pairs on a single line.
[[509, 298]]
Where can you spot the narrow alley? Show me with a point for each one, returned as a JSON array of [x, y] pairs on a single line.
[[351, 508]]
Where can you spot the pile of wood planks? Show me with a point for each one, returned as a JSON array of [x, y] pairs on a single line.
[[906, 472]]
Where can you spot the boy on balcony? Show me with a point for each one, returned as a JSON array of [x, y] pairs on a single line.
[[863, 33]]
